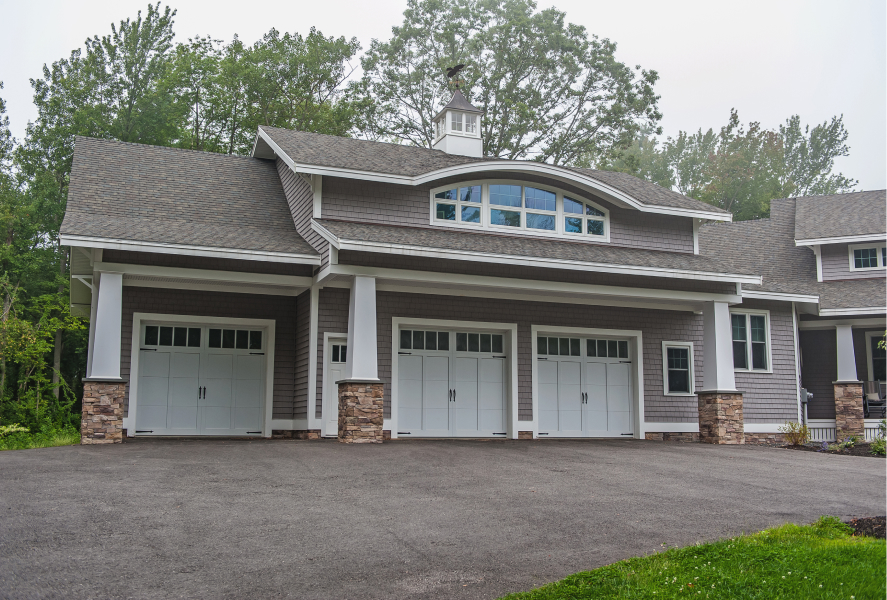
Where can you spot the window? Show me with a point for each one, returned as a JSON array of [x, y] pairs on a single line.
[[424, 340], [340, 353], [552, 346], [677, 368], [751, 350], [471, 124], [478, 342], [607, 348], [537, 210], [183, 337], [867, 256], [456, 123]]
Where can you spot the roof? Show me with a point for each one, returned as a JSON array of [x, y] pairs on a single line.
[[841, 215], [768, 247], [320, 150], [458, 102], [144, 193], [526, 247]]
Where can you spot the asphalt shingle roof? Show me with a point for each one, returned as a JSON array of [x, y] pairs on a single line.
[[154, 194], [519, 246], [394, 159], [768, 247], [840, 215]]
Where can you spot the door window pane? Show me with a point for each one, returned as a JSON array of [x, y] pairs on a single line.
[[564, 347], [572, 224], [446, 195], [255, 340], [592, 348], [228, 338], [540, 199], [602, 348], [505, 195], [678, 370], [470, 193], [471, 214], [446, 212], [344, 353], [462, 342], [595, 227], [541, 345], [507, 218], [535, 221], [215, 338], [406, 339], [575, 347], [151, 332], [497, 343], [166, 336], [552, 345], [242, 339], [486, 342], [473, 342], [180, 336], [623, 349], [194, 337], [571, 206], [612, 349], [418, 340], [431, 340], [335, 353], [740, 337], [443, 340]]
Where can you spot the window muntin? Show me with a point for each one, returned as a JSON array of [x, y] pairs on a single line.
[[751, 340], [866, 257], [471, 124], [594, 348], [411, 339], [504, 205], [479, 342], [192, 337], [456, 121], [340, 353]]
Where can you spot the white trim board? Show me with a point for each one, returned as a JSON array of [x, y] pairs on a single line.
[[832, 323], [846, 239], [694, 427], [555, 172], [763, 295], [268, 325], [186, 249], [849, 312]]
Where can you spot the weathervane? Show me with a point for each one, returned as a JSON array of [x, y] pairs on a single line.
[[452, 72]]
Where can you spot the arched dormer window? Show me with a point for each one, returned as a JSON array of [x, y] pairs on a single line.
[[515, 206]]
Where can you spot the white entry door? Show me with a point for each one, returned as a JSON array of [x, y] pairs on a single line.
[[200, 381], [451, 384], [584, 387], [336, 357]]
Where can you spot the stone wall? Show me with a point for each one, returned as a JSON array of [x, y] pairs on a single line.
[[765, 438], [672, 436], [849, 419], [720, 418], [102, 416], [360, 413]]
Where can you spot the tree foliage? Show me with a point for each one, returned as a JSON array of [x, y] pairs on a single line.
[[549, 91]]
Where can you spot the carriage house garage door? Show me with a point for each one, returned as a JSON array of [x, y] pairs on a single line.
[[451, 384], [200, 380]]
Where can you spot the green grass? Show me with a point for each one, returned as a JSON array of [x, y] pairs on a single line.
[[24, 441], [789, 562]]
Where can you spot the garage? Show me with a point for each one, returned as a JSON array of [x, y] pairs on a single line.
[[451, 383], [584, 386], [200, 380]]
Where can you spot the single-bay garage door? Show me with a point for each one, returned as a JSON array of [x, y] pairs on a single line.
[[199, 380], [584, 387], [451, 384]]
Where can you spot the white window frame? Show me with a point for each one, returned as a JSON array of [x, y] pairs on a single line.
[[485, 219], [444, 125], [665, 346], [879, 252], [748, 347]]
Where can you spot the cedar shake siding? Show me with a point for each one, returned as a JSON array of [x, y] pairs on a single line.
[[300, 198], [819, 369], [202, 262], [836, 264], [332, 316], [303, 345], [772, 397], [281, 309], [391, 204]]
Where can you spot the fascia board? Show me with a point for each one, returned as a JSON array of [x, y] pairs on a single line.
[[205, 274], [527, 167], [187, 250], [832, 323], [850, 312], [325, 234], [762, 295], [402, 249], [846, 239], [505, 283]]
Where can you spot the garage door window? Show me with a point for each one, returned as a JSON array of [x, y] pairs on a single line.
[[241, 339], [424, 340], [156, 335], [478, 342], [608, 348], [552, 346]]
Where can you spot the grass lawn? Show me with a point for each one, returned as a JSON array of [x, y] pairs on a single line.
[[23, 441], [799, 562]]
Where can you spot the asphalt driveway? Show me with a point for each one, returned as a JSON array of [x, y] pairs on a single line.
[[408, 519]]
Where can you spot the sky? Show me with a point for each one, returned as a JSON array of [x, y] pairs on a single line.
[[767, 59]]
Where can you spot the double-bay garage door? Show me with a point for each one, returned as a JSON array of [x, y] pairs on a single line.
[[584, 387], [451, 384], [200, 381]]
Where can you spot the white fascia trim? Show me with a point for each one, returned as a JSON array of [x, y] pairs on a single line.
[[850, 312], [505, 283], [831, 324], [505, 259], [187, 250], [763, 295], [846, 239], [654, 427], [495, 165], [325, 234], [205, 274]]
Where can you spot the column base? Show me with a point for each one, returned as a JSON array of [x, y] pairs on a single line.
[[849, 417], [720, 418], [102, 417], [360, 412]]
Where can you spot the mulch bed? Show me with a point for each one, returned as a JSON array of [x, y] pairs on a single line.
[[857, 450], [870, 526]]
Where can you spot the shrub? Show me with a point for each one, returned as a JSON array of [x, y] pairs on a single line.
[[879, 444], [849, 442], [795, 433], [7, 430]]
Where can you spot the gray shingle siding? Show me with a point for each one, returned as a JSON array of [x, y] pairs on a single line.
[[332, 316], [390, 204], [303, 344], [300, 199], [836, 264]]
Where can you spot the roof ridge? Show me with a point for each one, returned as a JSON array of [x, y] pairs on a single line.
[[174, 148]]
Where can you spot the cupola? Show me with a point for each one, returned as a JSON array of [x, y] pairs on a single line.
[[457, 127]]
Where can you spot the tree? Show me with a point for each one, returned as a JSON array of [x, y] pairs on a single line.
[[548, 91], [809, 157]]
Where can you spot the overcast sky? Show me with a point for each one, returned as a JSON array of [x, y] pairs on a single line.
[[768, 59]]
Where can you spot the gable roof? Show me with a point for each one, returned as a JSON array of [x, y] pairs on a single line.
[[841, 215], [768, 247], [168, 196], [410, 165]]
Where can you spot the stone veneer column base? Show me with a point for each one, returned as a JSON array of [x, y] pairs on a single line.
[[849, 417], [102, 416], [360, 412], [720, 418], [673, 436]]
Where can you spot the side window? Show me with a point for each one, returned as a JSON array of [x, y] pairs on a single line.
[[751, 339], [677, 368]]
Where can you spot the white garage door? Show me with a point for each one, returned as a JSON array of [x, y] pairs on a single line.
[[200, 381], [584, 387], [451, 384]]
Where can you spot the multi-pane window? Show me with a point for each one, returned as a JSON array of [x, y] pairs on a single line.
[[461, 204], [678, 367], [159, 335], [865, 258], [424, 340], [582, 218], [478, 342], [470, 123], [750, 338], [555, 346], [340, 353], [505, 196], [235, 338], [607, 348]]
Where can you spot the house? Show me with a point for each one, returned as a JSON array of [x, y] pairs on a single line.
[[344, 288]]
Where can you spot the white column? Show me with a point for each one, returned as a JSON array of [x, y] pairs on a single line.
[[108, 322], [718, 356], [362, 361], [846, 356]]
